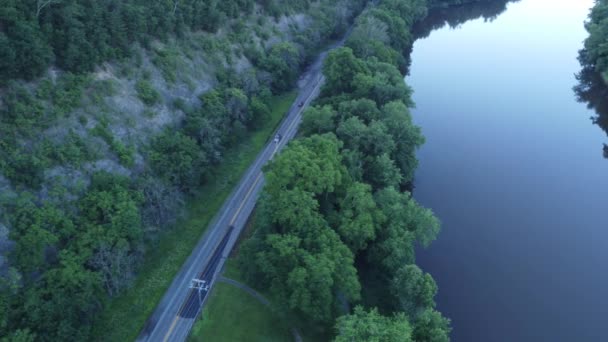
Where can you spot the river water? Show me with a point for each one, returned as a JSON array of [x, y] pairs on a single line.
[[513, 167]]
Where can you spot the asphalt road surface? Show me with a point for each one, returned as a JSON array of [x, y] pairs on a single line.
[[178, 309]]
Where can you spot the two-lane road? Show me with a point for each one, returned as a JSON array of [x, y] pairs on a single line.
[[177, 311]]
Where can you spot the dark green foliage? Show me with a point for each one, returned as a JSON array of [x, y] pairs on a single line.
[[283, 62], [80, 34], [21, 111], [224, 115], [344, 187], [146, 92], [24, 50], [125, 153], [318, 120], [63, 95], [340, 69], [73, 150], [373, 327], [431, 326], [414, 289], [302, 259], [167, 61], [62, 255], [178, 159], [403, 221], [22, 166]]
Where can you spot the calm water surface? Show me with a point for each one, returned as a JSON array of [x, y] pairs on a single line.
[[513, 167]]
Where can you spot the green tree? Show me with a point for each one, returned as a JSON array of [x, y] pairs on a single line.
[[19, 335], [370, 140], [363, 108], [311, 164], [372, 327], [406, 135], [356, 216], [317, 120], [383, 83], [307, 272], [403, 222], [236, 103], [413, 289], [147, 93], [339, 69], [381, 172], [37, 231], [431, 326], [178, 159], [62, 304], [283, 62], [369, 36]]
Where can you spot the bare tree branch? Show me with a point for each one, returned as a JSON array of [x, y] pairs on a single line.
[[175, 4], [41, 4]]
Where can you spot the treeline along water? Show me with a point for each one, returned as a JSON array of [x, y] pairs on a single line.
[[513, 167]]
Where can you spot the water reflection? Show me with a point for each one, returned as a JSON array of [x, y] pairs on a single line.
[[592, 90], [454, 16]]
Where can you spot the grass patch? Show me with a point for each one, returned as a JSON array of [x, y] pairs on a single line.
[[126, 314], [233, 315], [229, 316]]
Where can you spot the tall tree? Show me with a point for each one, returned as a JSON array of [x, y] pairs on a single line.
[[431, 326], [311, 164], [356, 217], [406, 135], [283, 61], [340, 68], [413, 289], [178, 159], [372, 327], [403, 222], [317, 120]]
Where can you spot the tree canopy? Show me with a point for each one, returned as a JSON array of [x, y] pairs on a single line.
[[373, 327], [341, 185]]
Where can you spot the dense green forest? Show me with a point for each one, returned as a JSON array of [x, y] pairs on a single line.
[[593, 77], [77, 35], [111, 114], [336, 227]]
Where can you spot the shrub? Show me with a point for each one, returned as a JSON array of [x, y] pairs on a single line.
[[147, 93]]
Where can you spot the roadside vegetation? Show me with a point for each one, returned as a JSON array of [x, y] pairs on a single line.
[[173, 247], [234, 315], [336, 224], [223, 319]]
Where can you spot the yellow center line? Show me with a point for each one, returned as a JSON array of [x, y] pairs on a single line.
[[171, 328], [238, 211]]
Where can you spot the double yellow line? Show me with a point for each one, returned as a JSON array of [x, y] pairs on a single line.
[[240, 208]]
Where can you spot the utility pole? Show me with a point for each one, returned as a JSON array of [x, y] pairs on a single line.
[[199, 285]]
